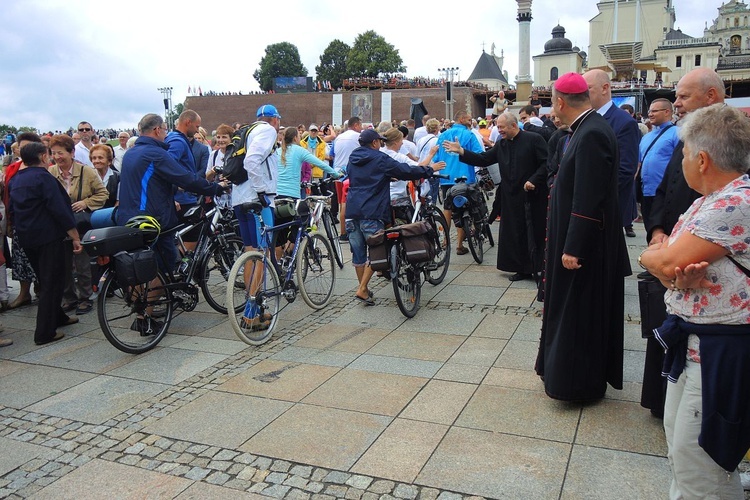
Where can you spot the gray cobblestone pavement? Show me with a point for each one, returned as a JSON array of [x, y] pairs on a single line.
[[59, 448]]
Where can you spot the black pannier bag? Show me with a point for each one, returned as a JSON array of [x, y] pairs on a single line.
[[418, 239], [378, 251], [135, 268]]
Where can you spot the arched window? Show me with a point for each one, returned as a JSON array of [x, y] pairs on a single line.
[[553, 73]]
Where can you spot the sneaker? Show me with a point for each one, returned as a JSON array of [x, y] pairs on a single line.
[[5, 342], [344, 237], [146, 326]]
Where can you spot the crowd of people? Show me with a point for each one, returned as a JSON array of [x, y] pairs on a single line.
[[570, 185]]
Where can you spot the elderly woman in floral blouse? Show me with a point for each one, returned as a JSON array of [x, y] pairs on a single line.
[[704, 265]]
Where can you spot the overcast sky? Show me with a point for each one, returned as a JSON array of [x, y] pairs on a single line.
[[64, 61]]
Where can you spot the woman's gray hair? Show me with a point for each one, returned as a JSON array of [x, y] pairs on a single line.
[[722, 132], [149, 122]]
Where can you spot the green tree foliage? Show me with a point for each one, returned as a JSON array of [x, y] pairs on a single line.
[[175, 113], [281, 59], [371, 56], [333, 64], [4, 129]]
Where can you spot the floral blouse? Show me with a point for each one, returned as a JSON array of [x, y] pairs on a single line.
[[723, 218]]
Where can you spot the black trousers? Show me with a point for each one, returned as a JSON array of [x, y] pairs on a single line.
[[48, 262]]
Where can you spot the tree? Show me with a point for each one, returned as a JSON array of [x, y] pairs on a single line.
[[175, 113], [333, 64], [371, 56], [281, 59]]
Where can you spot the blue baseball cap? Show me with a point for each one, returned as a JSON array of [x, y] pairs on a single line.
[[268, 110]]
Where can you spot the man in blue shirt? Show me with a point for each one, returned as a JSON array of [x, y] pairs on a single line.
[[460, 132], [655, 150]]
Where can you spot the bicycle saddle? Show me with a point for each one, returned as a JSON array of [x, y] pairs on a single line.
[[253, 206]]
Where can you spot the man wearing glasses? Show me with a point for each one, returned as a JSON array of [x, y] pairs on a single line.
[[149, 175], [655, 150], [86, 132]]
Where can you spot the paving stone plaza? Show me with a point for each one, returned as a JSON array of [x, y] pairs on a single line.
[[348, 402]]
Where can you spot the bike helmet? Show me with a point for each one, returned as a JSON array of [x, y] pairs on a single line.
[[148, 225]]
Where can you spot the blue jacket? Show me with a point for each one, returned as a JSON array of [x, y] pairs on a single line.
[[628, 139], [180, 149], [725, 361], [39, 207], [453, 166], [290, 173], [149, 175], [370, 172]]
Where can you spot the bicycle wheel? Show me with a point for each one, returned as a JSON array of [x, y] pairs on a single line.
[[488, 233], [333, 238], [258, 301], [474, 236], [214, 271], [316, 272], [134, 319], [406, 283], [438, 268]]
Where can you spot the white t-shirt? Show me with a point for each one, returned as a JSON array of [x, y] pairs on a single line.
[[82, 154], [343, 146]]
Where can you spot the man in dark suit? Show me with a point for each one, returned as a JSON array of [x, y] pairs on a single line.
[[581, 346], [628, 139], [699, 88]]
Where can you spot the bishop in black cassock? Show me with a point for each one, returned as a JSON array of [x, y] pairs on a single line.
[[581, 346]]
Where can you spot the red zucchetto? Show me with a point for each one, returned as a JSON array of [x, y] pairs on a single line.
[[571, 83]]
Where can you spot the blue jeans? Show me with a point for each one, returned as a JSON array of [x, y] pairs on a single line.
[[359, 230]]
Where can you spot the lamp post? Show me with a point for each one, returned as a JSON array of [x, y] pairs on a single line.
[[166, 93], [448, 97]]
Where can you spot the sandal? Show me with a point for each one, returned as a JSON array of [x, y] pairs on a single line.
[[257, 323], [19, 302], [368, 301], [462, 251], [84, 307]]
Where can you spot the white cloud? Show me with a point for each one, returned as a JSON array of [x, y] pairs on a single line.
[[68, 60]]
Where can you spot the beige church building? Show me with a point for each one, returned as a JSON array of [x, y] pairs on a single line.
[[636, 40]]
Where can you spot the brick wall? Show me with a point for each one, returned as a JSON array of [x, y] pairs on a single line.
[[317, 107]]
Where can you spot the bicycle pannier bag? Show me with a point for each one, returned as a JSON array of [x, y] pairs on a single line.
[[135, 268], [378, 251], [418, 240]]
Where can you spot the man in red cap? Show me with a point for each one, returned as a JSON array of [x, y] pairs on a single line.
[[581, 346]]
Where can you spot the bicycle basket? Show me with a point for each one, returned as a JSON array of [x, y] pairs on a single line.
[[135, 268]]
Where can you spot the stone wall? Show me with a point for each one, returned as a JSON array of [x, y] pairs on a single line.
[[317, 107]]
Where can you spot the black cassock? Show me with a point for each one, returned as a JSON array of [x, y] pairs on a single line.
[[521, 159], [581, 346]]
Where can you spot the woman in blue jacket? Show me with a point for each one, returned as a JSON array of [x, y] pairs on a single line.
[[292, 156]]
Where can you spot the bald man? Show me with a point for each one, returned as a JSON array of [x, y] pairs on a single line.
[[628, 139], [697, 89]]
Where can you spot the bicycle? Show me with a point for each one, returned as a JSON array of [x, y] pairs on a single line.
[[320, 211], [257, 302], [469, 207], [137, 302], [425, 209]]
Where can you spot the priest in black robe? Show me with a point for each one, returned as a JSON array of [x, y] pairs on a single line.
[[581, 346], [522, 157]]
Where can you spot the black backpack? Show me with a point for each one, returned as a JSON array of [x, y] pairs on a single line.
[[234, 157]]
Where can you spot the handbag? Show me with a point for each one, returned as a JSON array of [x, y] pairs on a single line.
[[83, 218]]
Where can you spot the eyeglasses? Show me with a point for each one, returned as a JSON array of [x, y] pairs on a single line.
[[84, 129], [655, 110]]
